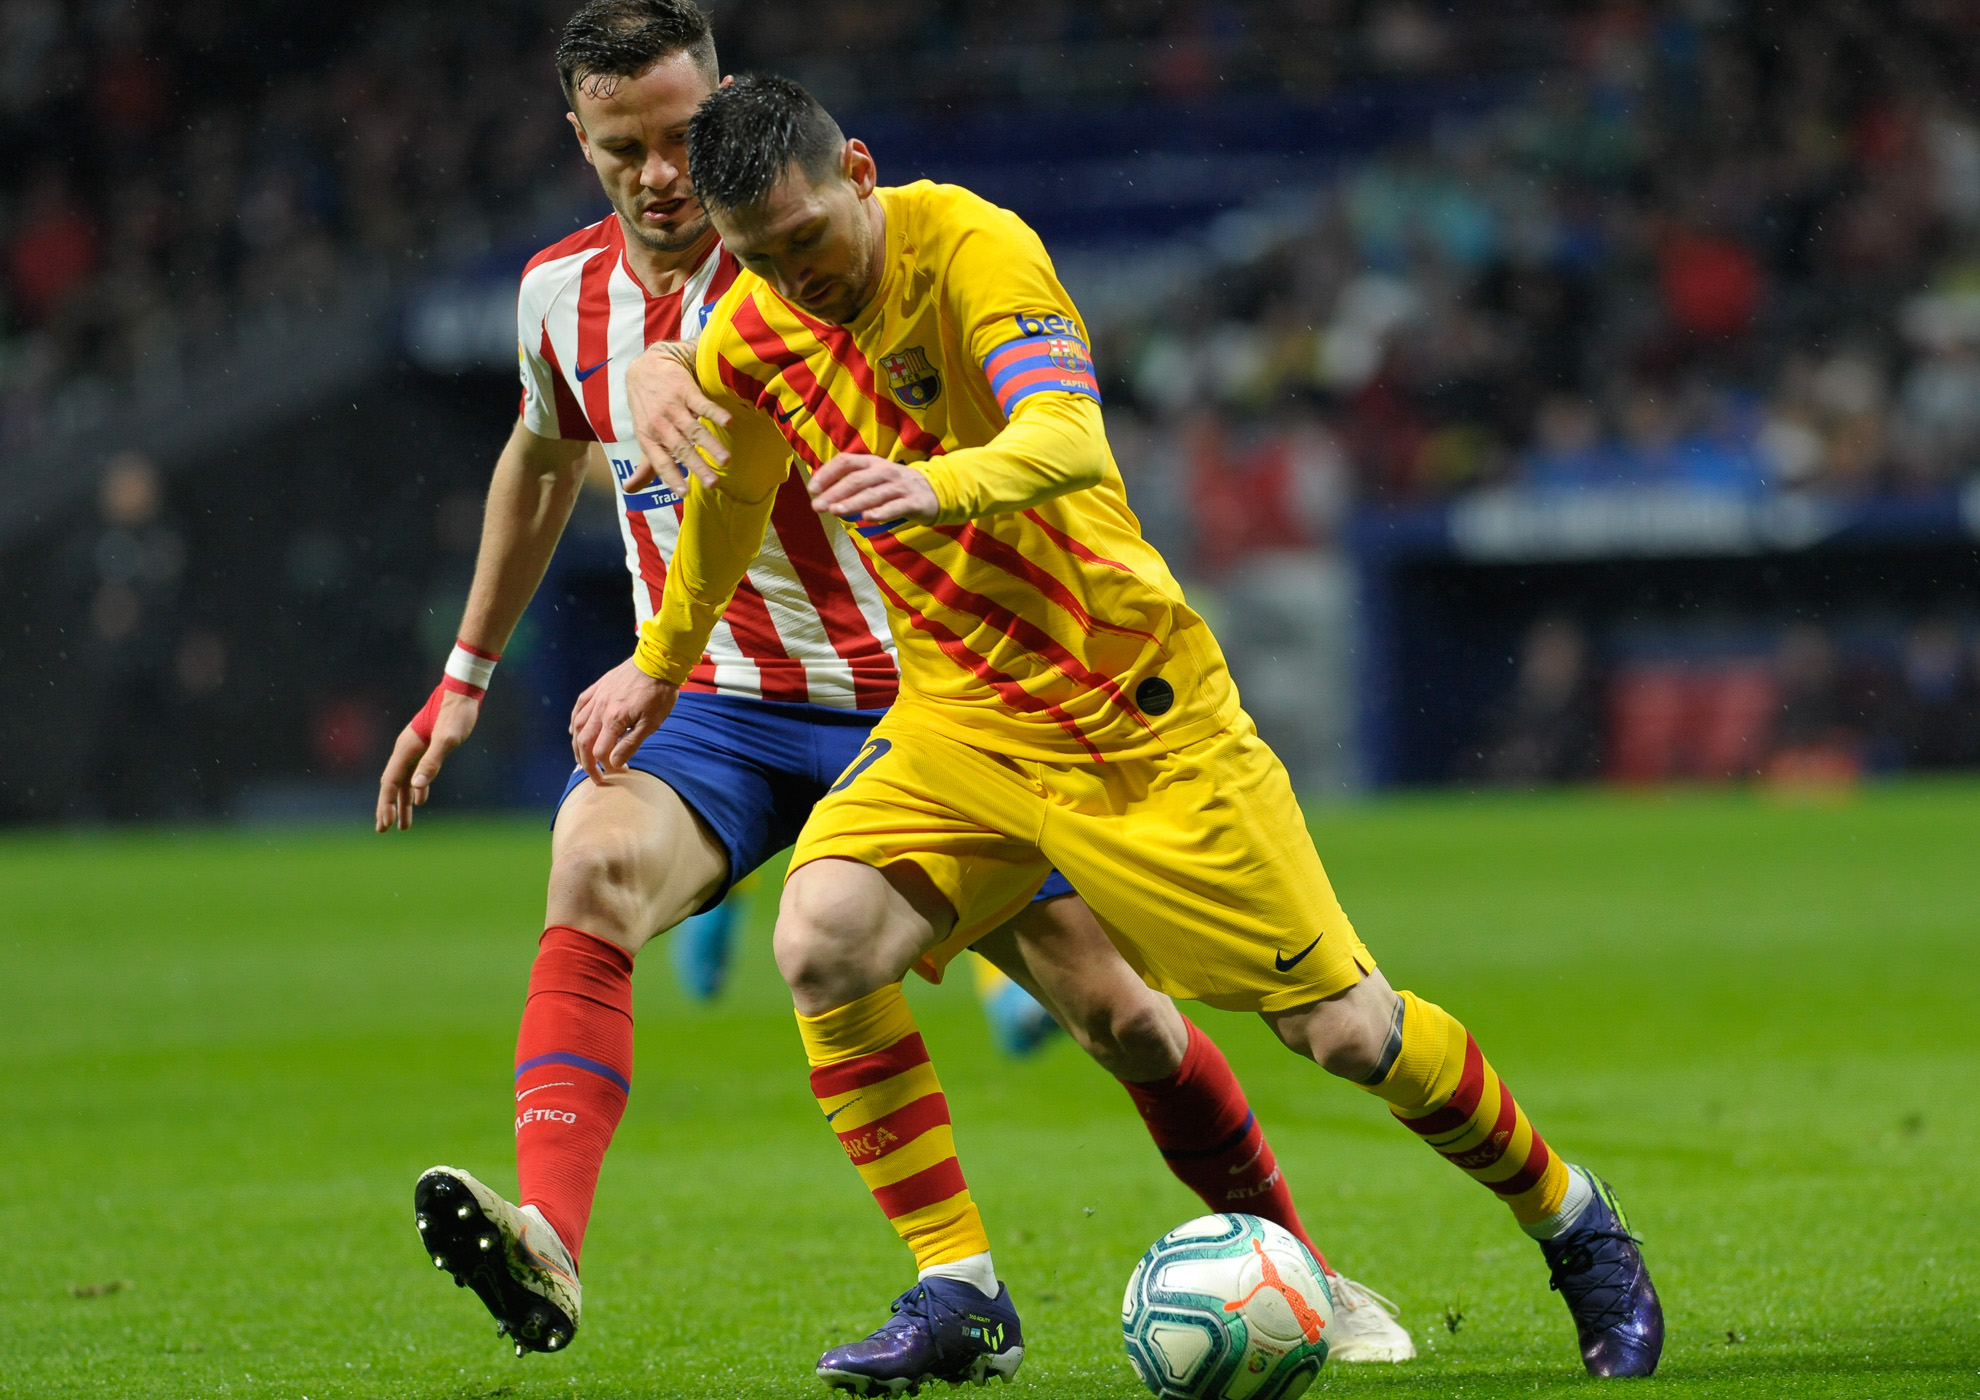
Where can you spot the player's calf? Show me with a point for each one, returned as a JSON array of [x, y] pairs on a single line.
[[1440, 1086]]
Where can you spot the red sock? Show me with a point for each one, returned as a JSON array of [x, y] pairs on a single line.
[[1211, 1140], [574, 1057]]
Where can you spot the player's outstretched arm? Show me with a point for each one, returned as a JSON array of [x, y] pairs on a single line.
[[530, 496], [674, 421]]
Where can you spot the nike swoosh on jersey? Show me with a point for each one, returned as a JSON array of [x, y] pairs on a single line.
[[782, 414], [842, 1108], [585, 374], [1287, 964]]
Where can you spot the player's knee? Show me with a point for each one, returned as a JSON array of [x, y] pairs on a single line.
[[825, 942], [596, 885], [1141, 1039], [1346, 1035], [608, 863]]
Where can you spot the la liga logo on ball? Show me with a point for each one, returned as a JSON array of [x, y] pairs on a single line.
[[1227, 1307]]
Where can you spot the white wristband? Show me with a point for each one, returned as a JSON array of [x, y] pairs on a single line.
[[471, 667]]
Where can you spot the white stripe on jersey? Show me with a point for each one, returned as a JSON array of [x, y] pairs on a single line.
[[582, 319]]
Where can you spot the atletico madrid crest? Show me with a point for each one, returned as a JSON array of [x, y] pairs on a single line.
[[914, 381]]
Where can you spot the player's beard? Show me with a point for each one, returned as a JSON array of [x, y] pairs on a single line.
[[860, 282], [679, 240]]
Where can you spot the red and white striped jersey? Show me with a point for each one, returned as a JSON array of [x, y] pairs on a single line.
[[808, 624]]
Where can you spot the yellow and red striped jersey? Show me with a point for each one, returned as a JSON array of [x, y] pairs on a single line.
[[1041, 628]]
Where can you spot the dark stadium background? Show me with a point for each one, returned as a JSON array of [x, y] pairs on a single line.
[[1530, 392]]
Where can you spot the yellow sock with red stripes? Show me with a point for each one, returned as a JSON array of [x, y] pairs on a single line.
[[1443, 1090], [873, 1079]]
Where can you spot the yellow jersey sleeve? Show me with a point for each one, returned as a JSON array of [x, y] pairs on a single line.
[[1055, 444], [1020, 328], [721, 529]]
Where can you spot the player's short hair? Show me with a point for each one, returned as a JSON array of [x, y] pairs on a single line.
[[744, 136], [607, 40]]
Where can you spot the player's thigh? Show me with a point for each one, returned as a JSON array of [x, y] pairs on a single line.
[[1058, 950], [630, 859], [962, 818], [1204, 869]]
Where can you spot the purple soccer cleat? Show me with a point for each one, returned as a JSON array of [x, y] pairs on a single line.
[[942, 1330], [1599, 1270]]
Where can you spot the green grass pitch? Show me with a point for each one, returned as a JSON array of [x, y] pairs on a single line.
[[225, 1056]]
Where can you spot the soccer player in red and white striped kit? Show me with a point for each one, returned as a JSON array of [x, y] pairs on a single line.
[[798, 671]]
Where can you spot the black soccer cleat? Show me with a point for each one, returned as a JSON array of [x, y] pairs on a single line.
[[1600, 1274], [941, 1330], [511, 1258]]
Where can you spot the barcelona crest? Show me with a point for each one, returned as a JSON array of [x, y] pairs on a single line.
[[914, 381], [1069, 356]]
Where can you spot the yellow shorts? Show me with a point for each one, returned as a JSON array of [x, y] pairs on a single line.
[[1198, 861]]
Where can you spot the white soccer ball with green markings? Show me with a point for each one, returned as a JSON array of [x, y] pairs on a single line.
[[1227, 1307]]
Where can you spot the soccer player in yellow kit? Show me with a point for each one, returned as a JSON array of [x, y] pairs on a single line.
[[912, 350]]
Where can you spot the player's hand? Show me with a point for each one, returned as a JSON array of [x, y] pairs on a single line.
[[415, 762], [856, 486], [668, 409], [614, 716]]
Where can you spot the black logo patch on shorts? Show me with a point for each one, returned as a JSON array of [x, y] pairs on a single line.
[[1155, 696]]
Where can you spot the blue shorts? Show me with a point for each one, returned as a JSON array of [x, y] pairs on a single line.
[[753, 769]]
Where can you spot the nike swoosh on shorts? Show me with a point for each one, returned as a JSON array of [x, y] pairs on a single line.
[[1287, 964]]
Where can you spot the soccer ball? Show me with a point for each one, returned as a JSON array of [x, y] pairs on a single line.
[[1227, 1307]]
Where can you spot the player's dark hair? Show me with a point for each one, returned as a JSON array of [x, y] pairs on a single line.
[[746, 135], [607, 40]]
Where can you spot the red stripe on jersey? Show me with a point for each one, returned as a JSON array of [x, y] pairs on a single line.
[[571, 422], [1006, 686], [749, 622], [773, 349], [755, 392], [594, 343], [844, 1076], [802, 535], [1072, 546], [990, 549], [598, 235], [839, 344], [663, 316], [666, 315], [943, 586], [652, 568]]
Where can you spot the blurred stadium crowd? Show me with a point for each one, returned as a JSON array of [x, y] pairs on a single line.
[[1706, 244], [1740, 256]]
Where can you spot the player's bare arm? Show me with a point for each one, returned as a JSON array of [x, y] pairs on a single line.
[[672, 419], [530, 497]]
